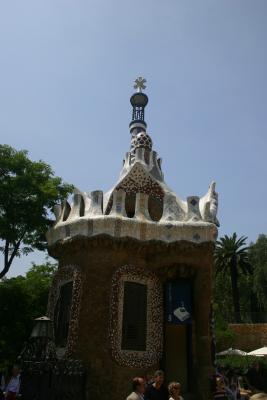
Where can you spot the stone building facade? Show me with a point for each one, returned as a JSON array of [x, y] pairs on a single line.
[[133, 290]]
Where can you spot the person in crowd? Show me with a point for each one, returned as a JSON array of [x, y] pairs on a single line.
[[244, 392], [2, 385], [233, 391], [255, 378], [219, 392], [175, 391], [13, 386], [149, 380], [157, 391], [138, 386], [232, 388]]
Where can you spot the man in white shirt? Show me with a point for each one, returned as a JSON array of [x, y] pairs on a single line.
[[138, 385]]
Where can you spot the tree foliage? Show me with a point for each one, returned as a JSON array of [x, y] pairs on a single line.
[[223, 296], [225, 337], [258, 258], [252, 293], [28, 192], [240, 364], [231, 259], [22, 299]]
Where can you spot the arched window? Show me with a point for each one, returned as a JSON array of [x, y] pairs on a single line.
[[130, 204], [62, 314], [64, 307], [155, 208], [136, 317]]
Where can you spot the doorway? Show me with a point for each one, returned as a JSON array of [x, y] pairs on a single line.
[[178, 332]]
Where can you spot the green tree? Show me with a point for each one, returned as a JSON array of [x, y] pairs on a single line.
[[28, 192], [258, 257], [231, 257], [223, 296], [22, 299], [225, 337]]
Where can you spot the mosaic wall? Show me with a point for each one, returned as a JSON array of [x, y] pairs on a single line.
[[154, 341], [62, 276], [140, 182]]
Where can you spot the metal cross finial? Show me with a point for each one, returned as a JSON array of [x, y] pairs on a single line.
[[140, 84]]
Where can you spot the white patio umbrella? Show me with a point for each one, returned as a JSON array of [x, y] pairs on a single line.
[[232, 352], [259, 352]]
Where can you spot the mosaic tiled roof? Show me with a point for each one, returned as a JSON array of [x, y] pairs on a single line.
[[140, 196]]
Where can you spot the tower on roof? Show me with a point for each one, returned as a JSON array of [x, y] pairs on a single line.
[[139, 101]]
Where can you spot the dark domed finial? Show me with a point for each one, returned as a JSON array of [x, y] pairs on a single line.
[[139, 101]]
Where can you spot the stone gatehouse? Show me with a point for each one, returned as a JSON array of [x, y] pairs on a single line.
[[133, 290]]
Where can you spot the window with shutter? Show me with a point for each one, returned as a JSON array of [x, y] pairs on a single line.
[[134, 323]]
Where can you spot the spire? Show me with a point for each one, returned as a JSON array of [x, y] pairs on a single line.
[[139, 101]]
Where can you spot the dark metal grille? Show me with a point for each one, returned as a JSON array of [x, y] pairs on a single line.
[[134, 317], [57, 380], [138, 113]]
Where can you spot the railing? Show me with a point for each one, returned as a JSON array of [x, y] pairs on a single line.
[[46, 377], [53, 380]]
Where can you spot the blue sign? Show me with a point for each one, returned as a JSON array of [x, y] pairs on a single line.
[[178, 302]]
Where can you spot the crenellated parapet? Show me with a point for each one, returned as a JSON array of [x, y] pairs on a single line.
[[86, 216], [140, 205], [91, 205]]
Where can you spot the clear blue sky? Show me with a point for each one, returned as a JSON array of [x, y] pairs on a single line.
[[66, 76]]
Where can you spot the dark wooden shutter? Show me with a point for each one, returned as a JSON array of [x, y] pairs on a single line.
[[62, 314], [134, 317]]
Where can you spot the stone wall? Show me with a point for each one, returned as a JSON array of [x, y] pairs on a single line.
[[98, 258], [249, 337]]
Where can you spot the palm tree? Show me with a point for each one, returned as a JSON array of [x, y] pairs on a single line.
[[231, 256]]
